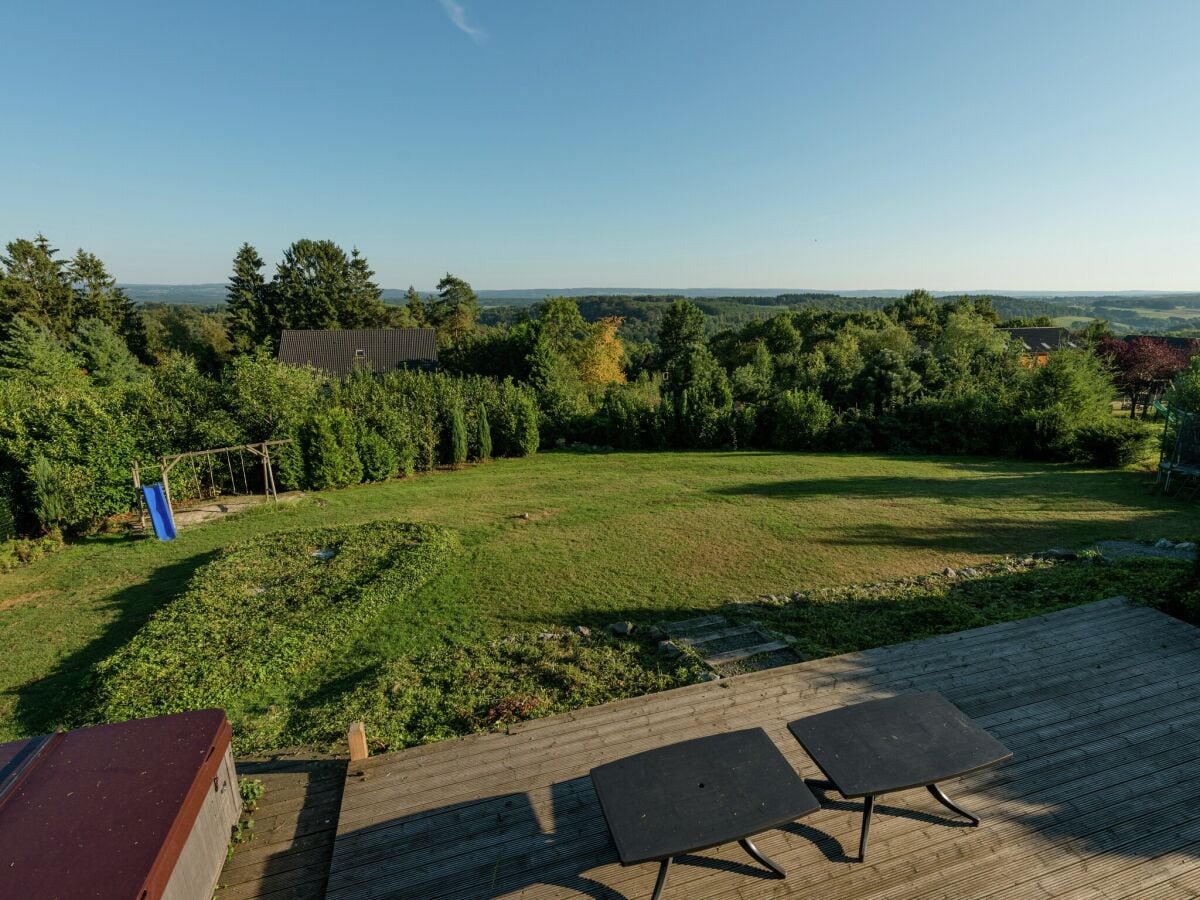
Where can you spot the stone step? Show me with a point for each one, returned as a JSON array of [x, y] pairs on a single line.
[[720, 659], [708, 637]]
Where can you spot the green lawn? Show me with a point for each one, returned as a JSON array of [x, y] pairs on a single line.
[[608, 536]]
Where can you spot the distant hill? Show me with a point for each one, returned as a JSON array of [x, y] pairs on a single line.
[[214, 294]]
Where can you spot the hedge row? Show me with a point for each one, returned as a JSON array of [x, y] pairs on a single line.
[[263, 613]]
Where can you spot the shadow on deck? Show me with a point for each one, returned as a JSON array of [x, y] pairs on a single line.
[[1099, 704]]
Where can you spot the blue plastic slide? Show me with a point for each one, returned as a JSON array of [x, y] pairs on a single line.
[[160, 511]]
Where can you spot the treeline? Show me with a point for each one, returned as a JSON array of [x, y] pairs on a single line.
[[89, 382], [917, 375]]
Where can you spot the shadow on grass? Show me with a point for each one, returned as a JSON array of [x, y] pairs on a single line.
[[63, 698], [981, 480]]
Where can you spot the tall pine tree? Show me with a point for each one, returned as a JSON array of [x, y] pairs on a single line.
[[252, 319]]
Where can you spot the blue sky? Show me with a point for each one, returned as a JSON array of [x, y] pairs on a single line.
[[1003, 145]]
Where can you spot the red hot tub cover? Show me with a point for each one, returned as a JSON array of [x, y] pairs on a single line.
[[105, 811]]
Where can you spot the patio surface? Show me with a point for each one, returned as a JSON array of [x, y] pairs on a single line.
[[1099, 703]]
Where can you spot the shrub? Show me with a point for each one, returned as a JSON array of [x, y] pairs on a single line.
[[485, 435], [458, 437], [330, 446], [379, 460], [49, 494], [265, 611], [18, 552], [1114, 443], [801, 417], [87, 444], [628, 416]]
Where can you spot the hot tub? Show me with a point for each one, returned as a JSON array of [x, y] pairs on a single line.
[[137, 810]]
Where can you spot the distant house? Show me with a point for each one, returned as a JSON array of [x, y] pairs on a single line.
[[365, 349], [1038, 343]]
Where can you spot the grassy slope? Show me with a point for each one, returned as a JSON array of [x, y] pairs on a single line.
[[620, 535]]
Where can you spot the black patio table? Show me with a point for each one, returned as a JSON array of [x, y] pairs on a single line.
[[696, 794], [895, 744]]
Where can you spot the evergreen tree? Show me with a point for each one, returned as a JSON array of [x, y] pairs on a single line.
[[35, 286], [455, 309], [104, 354], [458, 436], [485, 435], [98, 297], [364, 307], [34, 355], [681, 329], [417, 313], [252, 320]]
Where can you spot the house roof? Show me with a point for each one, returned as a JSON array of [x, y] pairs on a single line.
[[372, 349], [1041, 340]]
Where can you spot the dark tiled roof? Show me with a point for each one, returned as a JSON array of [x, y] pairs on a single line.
[[1041, 340], [374, 349]]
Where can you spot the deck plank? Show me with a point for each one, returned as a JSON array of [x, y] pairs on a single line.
[[1100, 704]]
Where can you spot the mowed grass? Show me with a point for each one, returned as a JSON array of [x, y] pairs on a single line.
[[568, 538]]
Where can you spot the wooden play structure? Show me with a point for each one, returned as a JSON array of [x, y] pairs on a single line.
[[214, 473]]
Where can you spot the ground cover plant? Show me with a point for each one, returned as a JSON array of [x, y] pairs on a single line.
[[263, 614], [562, 539], [457, 689]]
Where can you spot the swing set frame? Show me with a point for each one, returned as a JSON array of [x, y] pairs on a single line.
[[167, 462]]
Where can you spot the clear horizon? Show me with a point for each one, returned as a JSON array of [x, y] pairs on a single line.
[[1045, 147]]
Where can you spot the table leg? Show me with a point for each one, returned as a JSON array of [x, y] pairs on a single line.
[[950, 804], [868, 808], [748, 846], [663, 868]]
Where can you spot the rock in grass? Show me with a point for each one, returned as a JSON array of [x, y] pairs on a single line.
[[949, 572], [583, 631], [1185, 545], [1060, 553], [670, 648], [968, 572], [622, 629], [547, 636], [710, 676], [1164, 544]]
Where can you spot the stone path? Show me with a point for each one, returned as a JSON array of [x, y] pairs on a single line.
[[730, 649]]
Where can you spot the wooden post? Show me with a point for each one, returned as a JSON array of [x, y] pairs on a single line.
[[137, 492], [357, 736], [166, 482], [270, 473], [266, 470]]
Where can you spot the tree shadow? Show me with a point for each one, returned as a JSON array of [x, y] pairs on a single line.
[[64, 697], [985, 481]]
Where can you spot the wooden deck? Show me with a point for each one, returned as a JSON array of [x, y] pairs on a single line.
[[1100, 705], [288, 857]]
